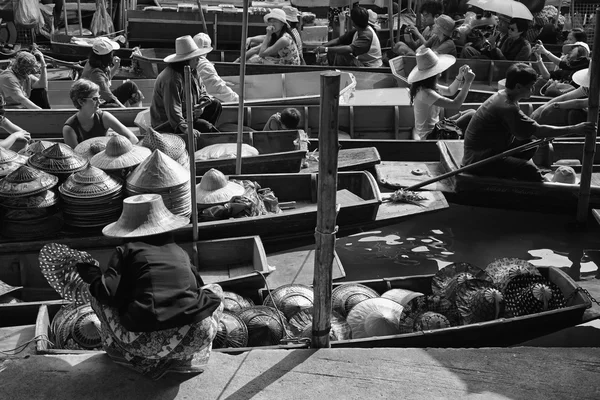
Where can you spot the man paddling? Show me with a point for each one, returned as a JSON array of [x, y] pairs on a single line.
[[500, 125]]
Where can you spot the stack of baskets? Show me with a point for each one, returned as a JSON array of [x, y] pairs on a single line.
[[91, 198]]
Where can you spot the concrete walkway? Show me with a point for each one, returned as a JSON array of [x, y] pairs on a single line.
[[512, 373]]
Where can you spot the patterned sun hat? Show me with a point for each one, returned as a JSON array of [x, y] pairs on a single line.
[[290, 299], [504, 269], [232, 332], [429, 321], [478, 301], [266, 326], [446, 279], [301, 325], [346, 296], [76, 327], [531, 294], [234, 302], [429, 303]]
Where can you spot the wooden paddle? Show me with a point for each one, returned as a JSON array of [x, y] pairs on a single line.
[[478, 164]]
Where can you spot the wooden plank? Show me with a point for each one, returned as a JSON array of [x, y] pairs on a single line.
[[349, 159], [434, 200], [14, 337], [297, 267], [399, 174]]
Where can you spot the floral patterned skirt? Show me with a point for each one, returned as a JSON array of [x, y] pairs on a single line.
[[184, 349]]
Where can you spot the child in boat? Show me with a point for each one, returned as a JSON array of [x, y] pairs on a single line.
[[101, 67], [90, 121], [425, 91], [20, 86], [430, 10], [358, 47], [168, 108], [278, 45], [288, 119], [14, 132], [215, 85], [150, 297], [500, 125]]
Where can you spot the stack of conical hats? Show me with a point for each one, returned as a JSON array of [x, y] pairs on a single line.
[[119, 154], [35, 146], [58, 159], [91, 198], [169, 144], [9, 161], [162, 175], [29, 205]]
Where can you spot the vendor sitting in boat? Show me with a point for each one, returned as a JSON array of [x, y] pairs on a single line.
[[20, 86], [427, 95], [90, 121], [14, 132], [358, 47], [278, 45], [101, 67], [215, 85], [168, 109], [500, 125], [156, 316]]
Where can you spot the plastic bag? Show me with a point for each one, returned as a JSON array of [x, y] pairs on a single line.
[[101, 21], [224, 150], [27, 14], [143, 121]]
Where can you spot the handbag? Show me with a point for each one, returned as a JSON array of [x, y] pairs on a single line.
[[445, 129]]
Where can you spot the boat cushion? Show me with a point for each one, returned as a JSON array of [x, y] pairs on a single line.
[[224, 150], [452, 152]]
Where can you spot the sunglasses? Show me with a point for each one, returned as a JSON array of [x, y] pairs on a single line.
[[96, 99]]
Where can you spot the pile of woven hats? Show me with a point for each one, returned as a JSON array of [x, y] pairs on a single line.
[[162, 175], [91, 198], [171, 145], [9, 161], [29, 205], [59, 160]]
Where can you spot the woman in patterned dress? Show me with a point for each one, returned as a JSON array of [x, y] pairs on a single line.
[[279, 45]]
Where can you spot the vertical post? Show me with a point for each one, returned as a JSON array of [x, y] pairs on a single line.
[[79, 16], [391, 21], [326, 207], [240, 136], [66, 14], [202, 16], [192, 150], [589, 149]]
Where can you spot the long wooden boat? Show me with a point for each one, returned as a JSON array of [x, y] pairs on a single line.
[[500, 332], [234, 263], [361, 121]]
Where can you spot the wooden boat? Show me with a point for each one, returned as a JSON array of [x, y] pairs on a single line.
[[233, 263], [356, 121], [500, 332], [487, 73]]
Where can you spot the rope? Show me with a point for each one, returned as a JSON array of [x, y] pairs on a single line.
[[22, 347]]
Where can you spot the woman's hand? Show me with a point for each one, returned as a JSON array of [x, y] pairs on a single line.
[[270, 30], [22, 135], [39, 57], [469, 75], [116, 61], [461, 72]]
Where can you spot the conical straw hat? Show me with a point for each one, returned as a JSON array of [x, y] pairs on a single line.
[[58, 158], [171, 145], [214, 188], [25, 181], [158, 171], [9, 161], [144, 215], [90, 182], [42, 199], [35, 146], [119, 153]]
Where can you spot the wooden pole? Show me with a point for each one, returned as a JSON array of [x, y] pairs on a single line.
[[589, 148], [66, 14], [326, 208], [240, 136], [192, 149], [391, 21], [202, 16], [78, 16]]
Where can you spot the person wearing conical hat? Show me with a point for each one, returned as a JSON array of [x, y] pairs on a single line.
[[428, 97], [156, 314], [15, 133], [499, 125], [215, 85], [90, 121], [168, 112]]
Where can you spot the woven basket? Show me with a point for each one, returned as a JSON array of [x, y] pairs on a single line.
[[346, 296]]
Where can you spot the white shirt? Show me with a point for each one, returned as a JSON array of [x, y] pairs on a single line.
[[215, 86], [426, 114]]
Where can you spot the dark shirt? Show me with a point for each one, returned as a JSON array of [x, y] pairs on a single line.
[[514, 50], [154, 287], [100, 77], [565, 70], [98, 129], [493, 127]]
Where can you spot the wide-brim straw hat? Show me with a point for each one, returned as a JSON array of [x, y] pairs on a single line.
[[530, 294], [90, 147], [26, 181], [429, 64], [429, 303], [278, 14], [570, 46], [58, 265], [301, 325], [291, 13], [375, 317], [346, 296], [144, 215], [446, 279], [215, 188], [582, 77], [5, 288], [290, 299], [89, 183], [502, 270], [232, 332], [120, 153], [478, 301], [564, 174], [445, 24], [171, 145], [10, 161], [185, 49], [266, 325], [234, 302], [58, 159], [429, 321], [158, 171], [401, 296]]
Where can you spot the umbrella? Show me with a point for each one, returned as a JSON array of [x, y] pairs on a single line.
[[510, 8]]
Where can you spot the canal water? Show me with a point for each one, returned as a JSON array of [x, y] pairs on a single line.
[[424, 243]]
